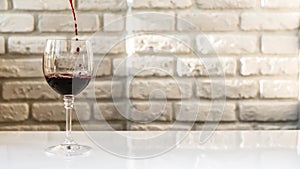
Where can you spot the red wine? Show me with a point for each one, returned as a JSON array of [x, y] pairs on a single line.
[[67, 84], [75, 22], [75, 19]]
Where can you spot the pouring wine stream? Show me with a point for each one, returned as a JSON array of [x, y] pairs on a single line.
[[75, 20]]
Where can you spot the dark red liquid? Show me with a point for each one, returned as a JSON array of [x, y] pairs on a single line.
[[75, 22], [67, 84], [74, 17]]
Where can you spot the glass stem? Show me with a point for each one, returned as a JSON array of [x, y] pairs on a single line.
[[69, 103]]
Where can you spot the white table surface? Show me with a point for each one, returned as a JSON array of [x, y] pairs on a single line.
[[225, 149]]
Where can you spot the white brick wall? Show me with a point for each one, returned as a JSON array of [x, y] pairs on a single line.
[[20, 68], [227, 44], [101, 4], [3, 4], [113, 22], [157, 43], [268, 111], [159, 126], [27, 45], [65, 23], [230, 4], [28, 90], [14, 112], [144, 89], [277, 4], [145, 112], [103, 44], [16, 22], [234, 89], [41, 5], [207, 21], [2, 45], [99, 126], [269, 66], [145, 66], [193, 111], [269, 21], [253, 43], [206, 66], [162, 4], [56, 112], [153, 21], [278, 89], [103, 90], [106, 111], [30, 128], [279, 44], [104, 66]]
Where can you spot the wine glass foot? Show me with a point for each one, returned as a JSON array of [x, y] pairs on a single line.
[[68, 150]]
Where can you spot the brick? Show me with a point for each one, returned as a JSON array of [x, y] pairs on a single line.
[[207, 21], [162, 4], [28, 90], [233, 89], [101, 5], [226, 4], [278, 89], [279, 44], [227, 44], [228, 126], [110, 89], [160, 89], [13, 112], [98, 127], [56, 112], [268, 111], [107, 44], [113, 22], [269, 21], [268, 66], [28, 45], [194, 67], [21, 68], [160, 127], [103, 66], [153, 21], [107, 111], [144, 66], [138, 111], [276, 126], [103, 90], [16, 23], [41, 5], [146, 112], [65, 23], [273, 4], [2, 45], [3, 5], [201, 111], [162, 44], [47, 127]]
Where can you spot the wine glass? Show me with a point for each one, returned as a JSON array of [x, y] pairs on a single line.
[[68, 68]]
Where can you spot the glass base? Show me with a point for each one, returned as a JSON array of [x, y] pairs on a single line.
[[68, 150]]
